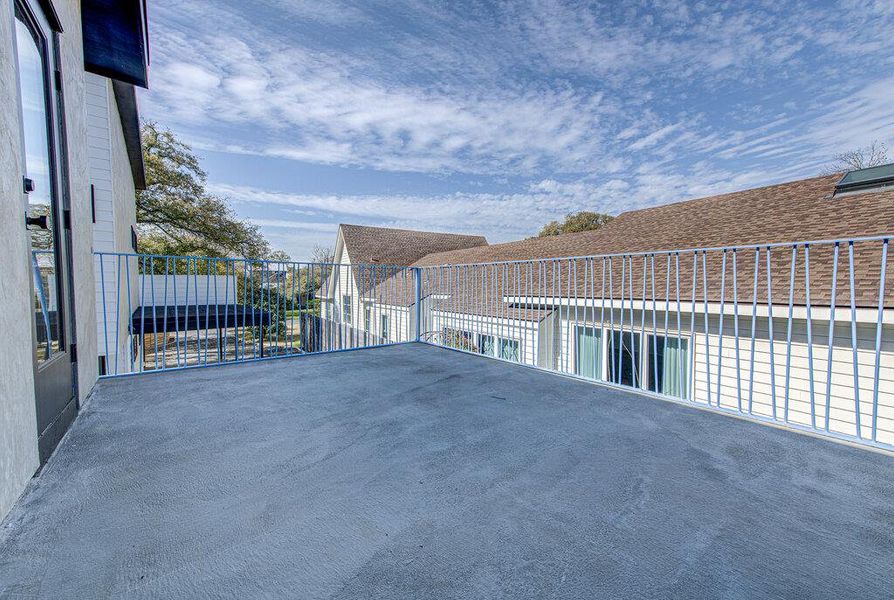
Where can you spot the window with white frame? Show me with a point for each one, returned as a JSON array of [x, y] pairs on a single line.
[[508, 349], [505, 348], [487, 345], [460, 339], [385, 327], [367, 315], [346, 308]]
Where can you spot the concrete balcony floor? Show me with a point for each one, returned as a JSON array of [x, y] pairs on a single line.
[[418, 472]]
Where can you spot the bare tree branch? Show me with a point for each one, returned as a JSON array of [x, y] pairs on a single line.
[[873, 155]]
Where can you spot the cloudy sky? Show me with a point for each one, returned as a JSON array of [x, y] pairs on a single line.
[[496, 117]]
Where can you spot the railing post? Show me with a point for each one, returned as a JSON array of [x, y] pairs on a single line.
[[418, 276]]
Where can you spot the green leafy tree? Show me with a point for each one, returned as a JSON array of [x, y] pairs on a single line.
[[574, 222], [176, 215]]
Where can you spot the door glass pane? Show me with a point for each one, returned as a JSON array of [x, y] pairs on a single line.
[[589, 352], [624, 350], [669, 369], [41, 202]]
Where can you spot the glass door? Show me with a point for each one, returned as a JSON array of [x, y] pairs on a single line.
[[48, 239], [624, 358]]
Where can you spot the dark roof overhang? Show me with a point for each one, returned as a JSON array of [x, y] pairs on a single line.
[[126, 99], [116, 41]]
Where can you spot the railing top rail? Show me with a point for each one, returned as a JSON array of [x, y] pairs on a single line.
[[662, 252], [827, 242], [248, 260]]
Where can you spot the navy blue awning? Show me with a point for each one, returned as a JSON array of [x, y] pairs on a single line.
[[152, 319], [116, 43]]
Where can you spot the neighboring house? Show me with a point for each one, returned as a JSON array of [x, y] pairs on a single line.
[[549, 313], [53, 150], [366, 259]]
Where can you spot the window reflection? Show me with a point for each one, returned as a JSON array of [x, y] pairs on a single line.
[[41, 201]]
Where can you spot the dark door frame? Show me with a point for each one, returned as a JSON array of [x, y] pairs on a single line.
[[51, 431]]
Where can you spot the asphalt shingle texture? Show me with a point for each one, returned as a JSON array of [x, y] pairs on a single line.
[[417, 472]]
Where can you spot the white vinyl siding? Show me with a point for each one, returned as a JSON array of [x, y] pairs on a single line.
[[703, 361], [843, 390], [114, 207]]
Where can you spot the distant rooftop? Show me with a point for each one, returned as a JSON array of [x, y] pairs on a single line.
[[403, 247], [784, 212]]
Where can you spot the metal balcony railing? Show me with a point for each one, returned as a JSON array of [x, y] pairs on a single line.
[[159, 312], [796, 334], [799, 334]]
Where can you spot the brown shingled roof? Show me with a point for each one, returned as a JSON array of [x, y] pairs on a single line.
[[802, 210], [402, 247]]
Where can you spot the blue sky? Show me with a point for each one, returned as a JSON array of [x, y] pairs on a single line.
[[496, 117]]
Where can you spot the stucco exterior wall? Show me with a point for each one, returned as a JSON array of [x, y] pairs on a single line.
[[18, 423], [18, 419]]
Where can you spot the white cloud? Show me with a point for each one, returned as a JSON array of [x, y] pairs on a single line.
[[601, 106], [500, 217], [302, 225], [527, 88], [314, 108]]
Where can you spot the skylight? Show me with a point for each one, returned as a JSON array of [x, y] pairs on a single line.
[[881, 176]]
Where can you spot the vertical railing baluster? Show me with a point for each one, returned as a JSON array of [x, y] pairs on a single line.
[[692, 341], [142, 342], [603, 339], [186, 316], [680, 370], [788, 334], [878, 339], [642, 330], [707, 328], [117, 310], [131, 332], [105, 318], [619, 364], [757, 267], [666, 316], [736, 330], [720, 325], [770, 325], [809, 335], [573, 332], [179, 356], [154, 309], [226, 304], [831, 334], [636, 380], [164, 344]]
